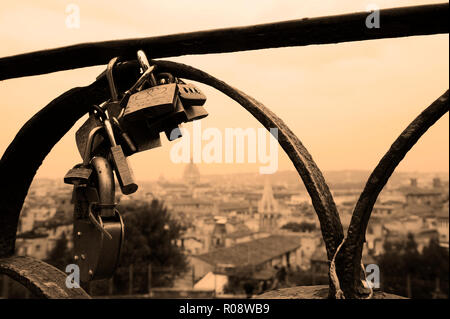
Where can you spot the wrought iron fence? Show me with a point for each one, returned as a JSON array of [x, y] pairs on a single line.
[[34, 141]]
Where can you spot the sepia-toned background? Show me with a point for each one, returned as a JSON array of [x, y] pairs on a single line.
[[346, 102], [222, 230]]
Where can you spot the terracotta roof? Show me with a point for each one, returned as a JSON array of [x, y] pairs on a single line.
[[254, 252], [239, 234]]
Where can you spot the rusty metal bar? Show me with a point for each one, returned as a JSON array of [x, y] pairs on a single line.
[[42, 279], [396, 22], [75, 103], [351, 252]]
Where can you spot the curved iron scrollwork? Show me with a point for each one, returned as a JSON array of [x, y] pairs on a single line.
[[34, 138], [353, 246]]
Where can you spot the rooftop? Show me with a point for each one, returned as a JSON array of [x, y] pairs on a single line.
[[414, 190], [254, 252]]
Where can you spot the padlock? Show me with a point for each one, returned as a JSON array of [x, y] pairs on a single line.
[[152, 102], [193, 100], [97, 255], [123, 170], [143, 139], [82, 135], [81, 173], [112, 106], [190, 95], [98, 227], [188, 103], [168, 121], [195, 112], [78, 175], [179, 115]]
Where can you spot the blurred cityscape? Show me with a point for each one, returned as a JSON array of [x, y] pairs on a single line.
[[249, 227]]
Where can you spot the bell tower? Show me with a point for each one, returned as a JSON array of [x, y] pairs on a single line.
[[268, 209]]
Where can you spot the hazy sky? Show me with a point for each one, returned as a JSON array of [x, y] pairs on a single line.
[[346, 102]]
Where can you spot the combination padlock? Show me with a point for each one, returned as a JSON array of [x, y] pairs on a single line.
[[190, 94]]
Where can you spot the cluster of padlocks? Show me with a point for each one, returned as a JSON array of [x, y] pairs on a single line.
[[127, 123]]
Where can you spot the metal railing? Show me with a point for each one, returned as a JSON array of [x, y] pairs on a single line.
[[34, 141]]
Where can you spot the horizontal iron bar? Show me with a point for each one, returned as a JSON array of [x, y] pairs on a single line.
[[396, 22]]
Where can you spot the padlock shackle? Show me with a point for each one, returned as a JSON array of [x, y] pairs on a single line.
[[90, 143], [145, 65], [110, 78], [105, 185], [145, 76], [143, 60]]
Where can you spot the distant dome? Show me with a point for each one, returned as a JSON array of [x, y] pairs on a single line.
[[161, 179], [191, 174]]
